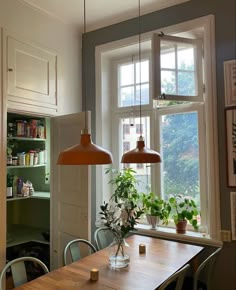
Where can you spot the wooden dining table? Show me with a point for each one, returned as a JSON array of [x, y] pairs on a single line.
[[145, 272]]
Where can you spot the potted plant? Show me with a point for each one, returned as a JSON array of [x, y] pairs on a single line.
[[183, 210], [155, 209]]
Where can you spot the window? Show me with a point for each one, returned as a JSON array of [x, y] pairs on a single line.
[[177, 115], [129, 83]]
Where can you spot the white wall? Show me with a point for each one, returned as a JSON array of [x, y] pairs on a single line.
[[33, 26]]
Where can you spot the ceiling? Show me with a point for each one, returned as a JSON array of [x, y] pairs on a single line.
[[99, 13]]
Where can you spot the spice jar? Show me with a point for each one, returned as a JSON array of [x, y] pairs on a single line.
[[36, 158], [9, 160], [14, 160]]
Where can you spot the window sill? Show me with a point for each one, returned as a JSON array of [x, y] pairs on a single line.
[[170, 234]]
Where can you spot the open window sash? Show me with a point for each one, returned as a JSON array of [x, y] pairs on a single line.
[[177, 68]]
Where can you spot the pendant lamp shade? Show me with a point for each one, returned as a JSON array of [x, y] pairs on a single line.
[[85, 153], [141, 154]]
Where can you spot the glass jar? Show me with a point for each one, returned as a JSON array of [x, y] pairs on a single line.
[[118, 256], [14, 160]]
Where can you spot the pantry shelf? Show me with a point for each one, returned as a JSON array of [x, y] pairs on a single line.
[[25, 166], [26, 139], [37, 194]]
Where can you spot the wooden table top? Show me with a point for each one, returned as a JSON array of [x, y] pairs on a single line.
[[145, 271]]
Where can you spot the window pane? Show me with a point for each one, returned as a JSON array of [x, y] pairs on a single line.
[[186, 84], [126, 74], [127, 96], [144, 72], [180, 151], [129, 142], [144, 94], [168, 82], [168, 60], [185, 58]]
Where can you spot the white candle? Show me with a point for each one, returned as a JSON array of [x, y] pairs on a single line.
[[94, 274]]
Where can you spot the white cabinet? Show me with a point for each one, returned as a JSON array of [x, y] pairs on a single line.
[[31, 81]]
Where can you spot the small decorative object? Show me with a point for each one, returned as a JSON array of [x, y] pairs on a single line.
[[120, 214], [183, 208], [155, 208], [94, 274], [142, 249]]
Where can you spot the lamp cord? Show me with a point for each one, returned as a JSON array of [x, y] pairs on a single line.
[[139, 40], [85, 78]]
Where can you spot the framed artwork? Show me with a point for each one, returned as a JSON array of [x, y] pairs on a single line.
[[233, 214], [230, 82], [230, 116]]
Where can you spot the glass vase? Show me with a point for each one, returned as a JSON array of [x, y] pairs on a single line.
[[118, 256]]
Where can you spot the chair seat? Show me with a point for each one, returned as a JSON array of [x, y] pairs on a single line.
[[188, 284]]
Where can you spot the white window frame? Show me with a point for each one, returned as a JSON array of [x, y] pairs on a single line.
[[156, 51], [103, 53]]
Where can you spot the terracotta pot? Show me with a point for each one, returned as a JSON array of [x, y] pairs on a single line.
[[152, 220], [181, 227]]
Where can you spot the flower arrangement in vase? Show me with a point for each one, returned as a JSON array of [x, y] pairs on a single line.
[[121, 213]]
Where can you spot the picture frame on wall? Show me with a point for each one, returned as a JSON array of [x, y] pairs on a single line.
[[230, 120], [230, 82], [233, 214]]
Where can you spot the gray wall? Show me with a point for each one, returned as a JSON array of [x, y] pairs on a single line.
[[225, 35]]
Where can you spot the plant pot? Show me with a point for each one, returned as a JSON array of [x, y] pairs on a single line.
[[152, 220], [181, 227]]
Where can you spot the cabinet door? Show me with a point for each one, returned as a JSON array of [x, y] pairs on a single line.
[[3, 171], [31, 77], [70, 189]]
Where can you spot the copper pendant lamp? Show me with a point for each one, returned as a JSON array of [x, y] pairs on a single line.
[[140, 154], [86, 152]]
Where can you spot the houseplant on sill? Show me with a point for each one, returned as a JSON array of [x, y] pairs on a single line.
[[155, 209], [120, 214], [183, 210]]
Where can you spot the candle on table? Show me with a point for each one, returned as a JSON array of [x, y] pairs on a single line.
[[94, 274], [142, 249]]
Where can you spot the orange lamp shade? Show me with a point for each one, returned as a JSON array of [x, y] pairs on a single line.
[[85, 153], [141, 154]]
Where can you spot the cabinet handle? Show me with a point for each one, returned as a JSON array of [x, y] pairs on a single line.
[[10, 69]]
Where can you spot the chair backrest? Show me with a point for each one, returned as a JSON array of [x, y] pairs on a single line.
[[207, 265], [103, 237], [19, 271], [177, 277], [74, 248]]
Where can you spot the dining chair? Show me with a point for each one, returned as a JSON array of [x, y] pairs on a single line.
[[103, 237], [77, 249], [19, 270], [176, 280], [203, 276]]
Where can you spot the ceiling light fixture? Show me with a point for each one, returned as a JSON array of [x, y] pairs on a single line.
[[140, 154], [85, 153]]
